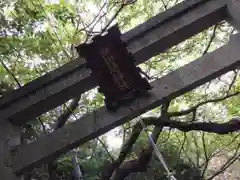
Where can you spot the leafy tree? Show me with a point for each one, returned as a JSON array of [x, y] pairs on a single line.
[[38, 36]]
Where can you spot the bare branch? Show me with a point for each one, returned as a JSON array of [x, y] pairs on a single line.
[[65, 116], [233, 80], [226, 165], [195, 142], [105, 147], [182, 147], [223, 128], [11, 73], [211, 40], [61, 121], [164, 5], [123, 169], [123, 153], [224, 147], [207, 158], [140, 164], [192, 109], [42, 124], [114, 17], [185, 151]]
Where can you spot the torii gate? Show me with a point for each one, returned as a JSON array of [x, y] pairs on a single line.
[[145, 41]]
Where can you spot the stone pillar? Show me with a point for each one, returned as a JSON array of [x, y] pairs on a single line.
[[233, 10], [9, 138]]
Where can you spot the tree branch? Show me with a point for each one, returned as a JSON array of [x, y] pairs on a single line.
[[233, 80], [223, 128], [106, 149], [11, 73], [64, 117], [140, 164], [119, 169], [61, 121], [164, 5], [211, 40], [192, 109], [123, 153], [227, 164]]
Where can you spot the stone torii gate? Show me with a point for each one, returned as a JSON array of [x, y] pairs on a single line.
[[145, 41]]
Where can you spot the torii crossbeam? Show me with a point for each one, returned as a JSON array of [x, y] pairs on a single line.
[[145, 41], [100, 121]]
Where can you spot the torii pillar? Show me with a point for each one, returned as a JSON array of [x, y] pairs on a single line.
[[9, 138]]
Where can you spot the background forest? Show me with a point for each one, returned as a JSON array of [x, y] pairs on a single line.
[[37, 36]]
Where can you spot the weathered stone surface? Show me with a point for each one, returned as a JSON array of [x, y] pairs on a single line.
[[233, 10]]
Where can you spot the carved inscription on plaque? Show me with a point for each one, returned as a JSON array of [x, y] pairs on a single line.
[[114, 69]]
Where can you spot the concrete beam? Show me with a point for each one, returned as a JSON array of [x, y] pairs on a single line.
[[100, 121], [77, 64], [161, 18], [149, 39], [233, 10]]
